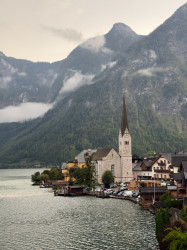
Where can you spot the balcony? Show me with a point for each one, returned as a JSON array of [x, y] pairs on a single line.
[[162, 164], [161, 171]]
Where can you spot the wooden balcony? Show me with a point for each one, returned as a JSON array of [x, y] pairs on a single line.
[[161, 171]]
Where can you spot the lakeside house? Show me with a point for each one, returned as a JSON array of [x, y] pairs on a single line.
[[155, 167]]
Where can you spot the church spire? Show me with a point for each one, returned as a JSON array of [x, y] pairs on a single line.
[[124, 121]]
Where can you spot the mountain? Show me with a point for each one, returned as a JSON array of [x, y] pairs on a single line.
[[25, 81], [88, 94]]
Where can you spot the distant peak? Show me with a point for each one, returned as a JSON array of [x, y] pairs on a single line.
[[121, 28]]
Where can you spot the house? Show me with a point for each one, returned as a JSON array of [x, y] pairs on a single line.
[[143, 169], [82, 156], [180, 180], [155, 167], [151, 194], [161, 167], [68, 169]]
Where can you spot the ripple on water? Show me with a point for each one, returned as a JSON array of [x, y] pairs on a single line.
[[47, 222]]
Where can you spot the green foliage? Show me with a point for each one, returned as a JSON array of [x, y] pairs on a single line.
[[36, 178], [142, 184], [55, 174], [184, 213], [176, 238], [46, 175], [85, 175], [162, 220], [170, 201], [107, 178], [150, 153]]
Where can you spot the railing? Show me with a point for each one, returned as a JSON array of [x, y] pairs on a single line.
[[162, 164], [161, 171]]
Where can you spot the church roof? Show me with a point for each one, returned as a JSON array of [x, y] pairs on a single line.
[[100, 153], [124, 121]]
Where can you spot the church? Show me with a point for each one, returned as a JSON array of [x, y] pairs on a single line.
[[119, 163]]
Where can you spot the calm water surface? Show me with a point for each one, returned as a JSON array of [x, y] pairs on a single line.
[[32, 218]]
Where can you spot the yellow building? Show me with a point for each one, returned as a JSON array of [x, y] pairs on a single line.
[[79, 162]]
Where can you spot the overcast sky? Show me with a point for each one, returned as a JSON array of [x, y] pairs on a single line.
[[48, 30]]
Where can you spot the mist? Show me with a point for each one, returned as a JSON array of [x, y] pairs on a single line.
[[23, 112]]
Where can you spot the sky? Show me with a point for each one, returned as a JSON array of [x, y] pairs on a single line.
[[48, 30]]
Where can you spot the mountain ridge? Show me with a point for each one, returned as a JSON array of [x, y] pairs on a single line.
[[154, 77]]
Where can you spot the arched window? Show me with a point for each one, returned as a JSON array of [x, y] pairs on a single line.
[[113, 170]]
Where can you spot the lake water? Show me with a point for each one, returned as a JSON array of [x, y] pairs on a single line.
[[33, 218]]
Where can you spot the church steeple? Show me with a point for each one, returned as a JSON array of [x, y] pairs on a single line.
[[124, 121], [125, 147]]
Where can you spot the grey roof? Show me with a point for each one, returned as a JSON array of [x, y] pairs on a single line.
[[167, 156], [64, 165], [136, 166], [177, 176], [178, 158], [124, 121], [100, 153], [172, 187], [81, 156], [151, 190], [148, 162], [184, 166]]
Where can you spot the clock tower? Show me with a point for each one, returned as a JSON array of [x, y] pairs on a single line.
[[125, 147]]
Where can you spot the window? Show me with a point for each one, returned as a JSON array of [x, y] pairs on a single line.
[[126, 142], [113, 170]]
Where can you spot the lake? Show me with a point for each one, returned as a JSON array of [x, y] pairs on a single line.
[[33, 218]]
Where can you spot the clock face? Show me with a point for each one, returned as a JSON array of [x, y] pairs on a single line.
[[126, 135]]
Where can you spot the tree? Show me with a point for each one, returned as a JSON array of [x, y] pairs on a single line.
[[36, 178], [176, 238], [44, 177], [55, 174], [85, 175], [162, 220], [150, 153], [90, 170], [170, 201], [107, 178], [143, 184]]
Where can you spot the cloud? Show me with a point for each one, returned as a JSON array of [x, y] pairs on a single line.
[[108, 65], [76, 81], [94, 44], [4, 80], [149, 72], [67, 34], [22, 73], [23, 112]]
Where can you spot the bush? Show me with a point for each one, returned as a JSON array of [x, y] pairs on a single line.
[[170, 201], [107, 178], [143, 184]]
